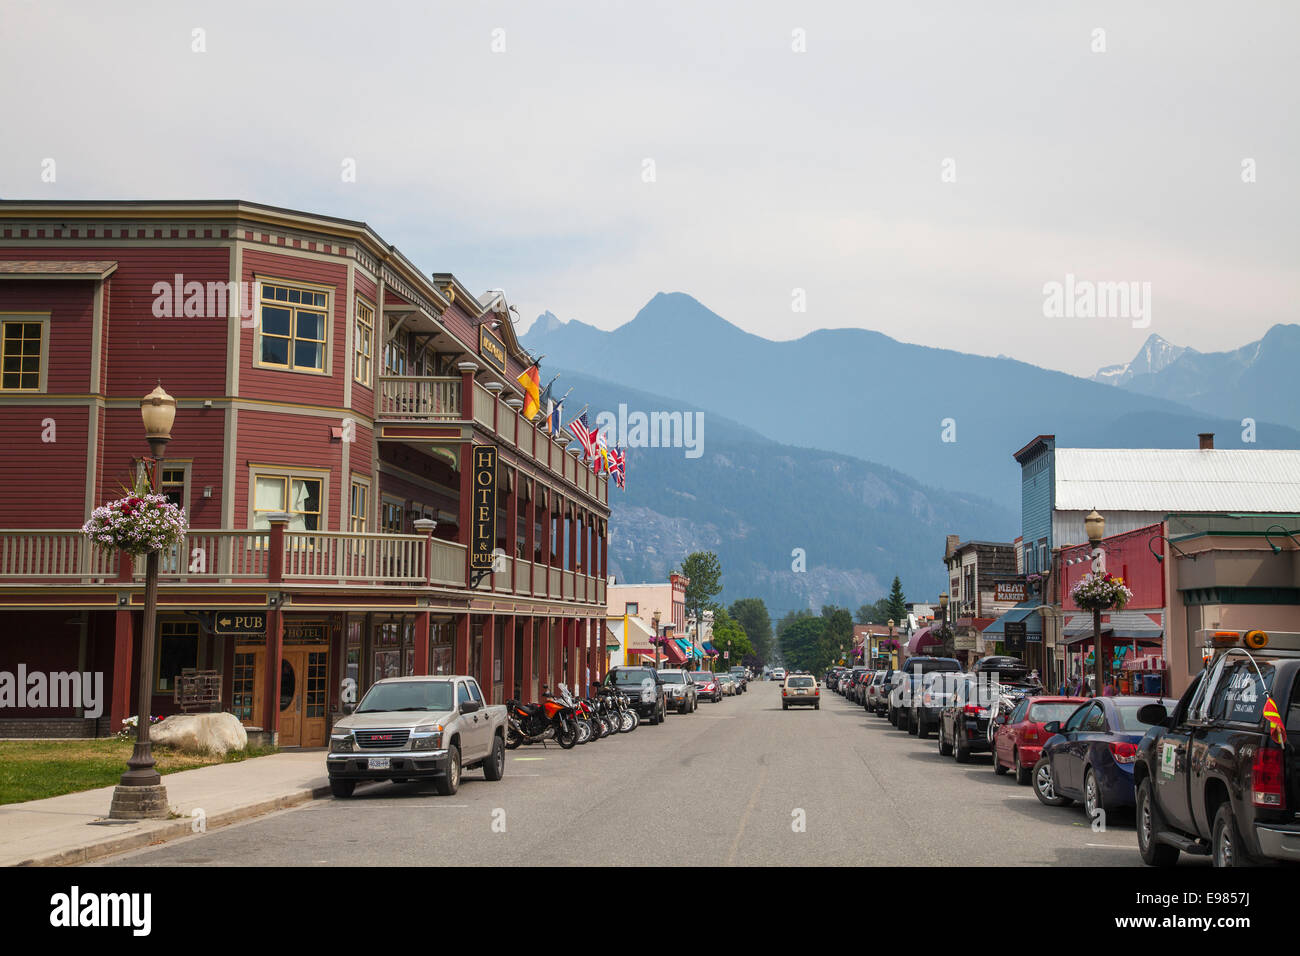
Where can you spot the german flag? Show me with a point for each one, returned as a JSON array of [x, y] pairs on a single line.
[[531, 380], [1276, 729]]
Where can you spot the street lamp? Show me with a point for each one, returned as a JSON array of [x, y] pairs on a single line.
[[655, 620], [891, 638], [943, 617], [1095, 525], [140, 794]]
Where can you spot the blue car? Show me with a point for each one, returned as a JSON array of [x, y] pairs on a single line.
[[1090, 757]]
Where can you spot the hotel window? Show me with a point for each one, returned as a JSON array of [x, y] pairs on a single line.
[[391, 516], [300, 497], [1042, 555], [22, 355], [363, 336], [359, 508], [178, 649], [631, 608], [294, 327]]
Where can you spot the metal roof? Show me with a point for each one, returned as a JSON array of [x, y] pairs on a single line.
[[1177, 479]]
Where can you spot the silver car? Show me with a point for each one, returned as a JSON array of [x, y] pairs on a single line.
[[682, 694]]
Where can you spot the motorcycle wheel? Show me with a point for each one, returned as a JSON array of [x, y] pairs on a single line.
[[584, 731], [513, 740], [626, 722], [566, 735]]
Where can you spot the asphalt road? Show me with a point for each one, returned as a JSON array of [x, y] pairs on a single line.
[[738, 783]]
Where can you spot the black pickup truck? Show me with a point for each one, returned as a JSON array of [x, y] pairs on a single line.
[[1213, 777]]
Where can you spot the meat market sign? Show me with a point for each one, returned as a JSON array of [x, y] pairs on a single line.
[[483, 516], [1009, 591]]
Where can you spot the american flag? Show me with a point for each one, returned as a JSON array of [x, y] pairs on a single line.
[[586, 438]]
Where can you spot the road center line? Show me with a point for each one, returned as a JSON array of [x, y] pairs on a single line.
[[744, 817]]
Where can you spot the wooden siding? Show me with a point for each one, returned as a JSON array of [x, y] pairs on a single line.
[[290, 442], [71, 307], [298, 387], [43, 484]]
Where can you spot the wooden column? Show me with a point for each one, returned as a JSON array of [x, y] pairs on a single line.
[[508, 675], [557, 652], [531, 533], [528, 685], [274, 651], [123, 651], [460, 652], [421, 662], [584, 656], [575, 674], [487, 657]]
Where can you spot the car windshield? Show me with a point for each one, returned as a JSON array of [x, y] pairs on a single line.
[[431, 695], [632, 678], [702, 676], [671, 677], [1046, 713], [800, 682]]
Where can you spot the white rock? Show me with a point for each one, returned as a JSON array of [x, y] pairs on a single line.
[[201, 733]]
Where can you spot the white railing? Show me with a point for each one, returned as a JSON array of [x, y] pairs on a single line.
[[54, 554], [215, 555], [483, 405], [419, 397], [375, 558], [448, 564]]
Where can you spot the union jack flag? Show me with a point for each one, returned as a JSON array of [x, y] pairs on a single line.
[[618, 466], [579, 429]]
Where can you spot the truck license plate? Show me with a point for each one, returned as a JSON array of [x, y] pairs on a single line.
[[379, 763]]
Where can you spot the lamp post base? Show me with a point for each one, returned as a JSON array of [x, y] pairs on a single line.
[[139, 803]]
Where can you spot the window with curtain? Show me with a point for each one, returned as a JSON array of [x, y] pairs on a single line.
[[358, 508], [300, 497]]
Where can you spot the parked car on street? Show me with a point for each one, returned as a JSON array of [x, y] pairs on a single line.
[[1018, 737], [1090, 756], [1215, 776], [680, 689], [707, 686], [800, 690], [963, 727], [937, 688], [905, 694], [742, 679], [877, 701], [413, 728], [645, 692]]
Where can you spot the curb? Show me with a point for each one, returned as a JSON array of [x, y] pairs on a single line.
[[173, 829]]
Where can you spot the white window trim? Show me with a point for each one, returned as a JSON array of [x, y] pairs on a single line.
[[327, 345]]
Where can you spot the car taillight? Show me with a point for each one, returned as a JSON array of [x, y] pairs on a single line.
[[1031, 733], [1123, 752], [782, 691], [1267, 783], [817, 692], [971, 710]]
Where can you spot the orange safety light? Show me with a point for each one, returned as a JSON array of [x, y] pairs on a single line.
[[1255, 640], [1225, 638]]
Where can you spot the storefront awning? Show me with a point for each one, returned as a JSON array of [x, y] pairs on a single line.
[[1117, 625], [921, 640], [1021, 612], [674, 653]]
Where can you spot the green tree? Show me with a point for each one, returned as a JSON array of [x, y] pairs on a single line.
[[896, 602], [838, 633], [729, 635], [705, 574], [803, 643], [751, 614]]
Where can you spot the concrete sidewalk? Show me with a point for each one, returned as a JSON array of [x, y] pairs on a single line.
[[74, 828]]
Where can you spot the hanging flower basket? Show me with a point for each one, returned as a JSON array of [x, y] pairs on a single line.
[[1100, 592], [137, 524]]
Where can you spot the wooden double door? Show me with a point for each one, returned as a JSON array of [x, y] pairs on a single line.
[[304, 701]]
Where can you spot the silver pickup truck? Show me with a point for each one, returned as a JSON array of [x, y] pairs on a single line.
[[412, 728]]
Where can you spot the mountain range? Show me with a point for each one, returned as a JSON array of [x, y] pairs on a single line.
[[1249, 382], [862, 450]]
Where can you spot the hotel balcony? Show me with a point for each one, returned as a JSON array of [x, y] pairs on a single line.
[[414, 400], [282, 557]]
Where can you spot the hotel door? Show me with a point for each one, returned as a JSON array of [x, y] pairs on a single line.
[[303, 672]]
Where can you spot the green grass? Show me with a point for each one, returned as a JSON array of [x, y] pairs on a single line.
[[33, 770]]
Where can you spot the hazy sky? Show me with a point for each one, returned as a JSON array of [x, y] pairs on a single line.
[[508, 142]]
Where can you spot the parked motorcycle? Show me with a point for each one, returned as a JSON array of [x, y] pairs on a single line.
[[553, 718]]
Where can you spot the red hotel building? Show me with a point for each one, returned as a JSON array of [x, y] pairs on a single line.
[[319, 375]]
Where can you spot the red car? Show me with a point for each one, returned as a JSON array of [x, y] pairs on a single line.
[[1018, 738], [707, 686]]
